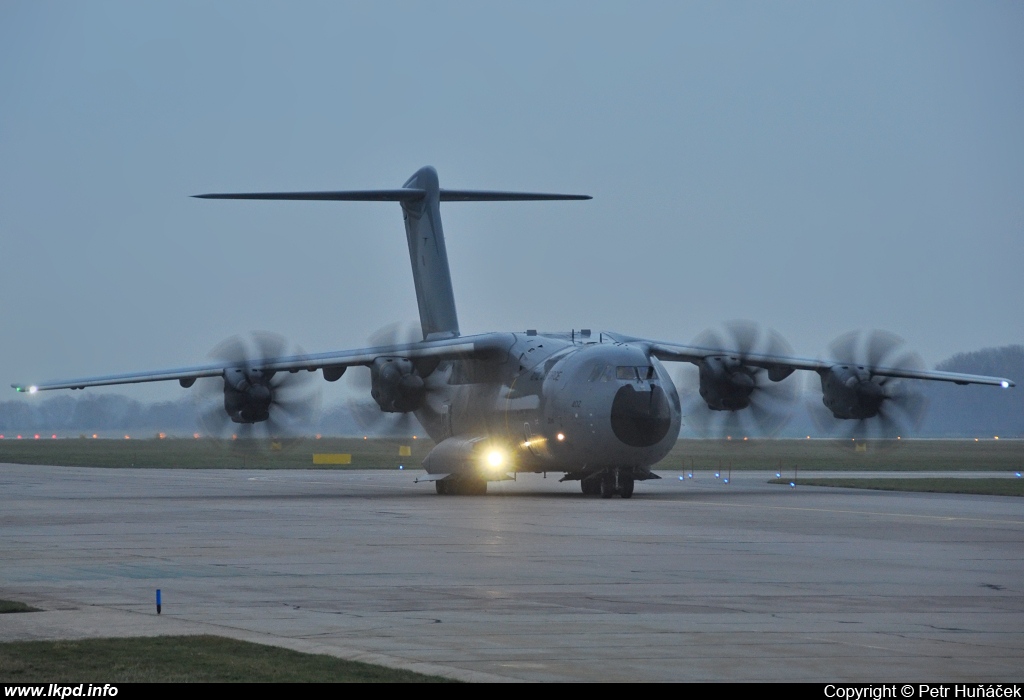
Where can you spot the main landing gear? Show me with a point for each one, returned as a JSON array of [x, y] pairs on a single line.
[[609, 483]]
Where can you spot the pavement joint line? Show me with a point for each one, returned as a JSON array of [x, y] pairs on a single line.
[[943, 518]]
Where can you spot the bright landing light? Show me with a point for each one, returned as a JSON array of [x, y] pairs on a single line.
[[495, 459], [1005, 385]]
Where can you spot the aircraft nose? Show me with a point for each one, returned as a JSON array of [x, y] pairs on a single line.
[[640, 418]]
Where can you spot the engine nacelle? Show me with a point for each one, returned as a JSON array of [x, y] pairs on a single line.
[[247, 394], [725, 383], [851, 392], [395, 385]]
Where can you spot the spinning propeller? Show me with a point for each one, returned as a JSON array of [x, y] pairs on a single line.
[[733, 398], [252, 403], [400, 385], [875, 407]]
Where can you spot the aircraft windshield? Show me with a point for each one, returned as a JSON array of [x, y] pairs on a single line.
[[633, 373]]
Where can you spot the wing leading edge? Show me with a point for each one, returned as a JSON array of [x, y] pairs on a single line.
[[781, 366], [332, 363]]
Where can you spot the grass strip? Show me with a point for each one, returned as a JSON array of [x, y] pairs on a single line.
[[384, 453], [981, 487], [206, 453], [185, 659], [13, 606]]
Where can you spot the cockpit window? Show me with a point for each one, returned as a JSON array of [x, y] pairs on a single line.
[[634, 373]]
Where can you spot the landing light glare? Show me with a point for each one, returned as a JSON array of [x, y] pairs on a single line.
[[495, 459]]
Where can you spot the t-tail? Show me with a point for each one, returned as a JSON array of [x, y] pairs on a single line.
[[420, 198]]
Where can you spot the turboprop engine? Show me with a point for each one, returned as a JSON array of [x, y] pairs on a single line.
[[859, 387], [741, 392], [280, 402], [395, 385], [851, 392], [247, 394], [726, 383]]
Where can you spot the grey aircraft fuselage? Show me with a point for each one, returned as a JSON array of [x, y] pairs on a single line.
[[557, 402]]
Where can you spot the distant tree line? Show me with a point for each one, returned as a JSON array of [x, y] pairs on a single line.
[[974, 411], [114, 415]]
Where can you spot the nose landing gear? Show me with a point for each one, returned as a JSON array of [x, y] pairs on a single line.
[[609, 483]]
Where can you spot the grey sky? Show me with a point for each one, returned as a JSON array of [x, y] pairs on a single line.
[[817, 167]]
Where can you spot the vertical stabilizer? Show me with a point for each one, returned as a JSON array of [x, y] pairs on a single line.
[[429, 258], [421, 199]]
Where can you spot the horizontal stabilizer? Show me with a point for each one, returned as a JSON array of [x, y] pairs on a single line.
[[404, 194], [399, 195], [484, 196]]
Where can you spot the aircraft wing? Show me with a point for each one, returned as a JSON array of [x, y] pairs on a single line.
[[781, 366], [333, 363]]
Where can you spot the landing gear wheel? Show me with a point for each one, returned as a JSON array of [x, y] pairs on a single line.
[[591, 486], [625, 484], [608, 484], [474, 487], [460, 486]]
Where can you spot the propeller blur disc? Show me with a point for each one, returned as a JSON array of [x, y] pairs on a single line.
[[903, 407], [771, 403], [294, 397]]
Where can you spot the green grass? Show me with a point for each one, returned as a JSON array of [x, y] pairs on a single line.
[[841, 455], [183, 660], [187, 453], [379, 453], [13, 606], [986, 487]]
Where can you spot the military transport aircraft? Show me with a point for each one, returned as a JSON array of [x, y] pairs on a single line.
[[599, 407]]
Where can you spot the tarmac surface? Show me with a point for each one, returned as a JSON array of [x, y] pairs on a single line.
[[690, 580]]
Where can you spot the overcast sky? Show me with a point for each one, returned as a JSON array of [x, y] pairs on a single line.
[[817, 167]]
